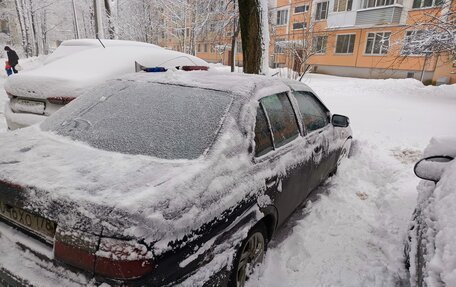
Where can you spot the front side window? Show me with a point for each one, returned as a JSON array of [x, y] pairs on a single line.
[[377, 43], [282, 17], [314, 115], [319, 44], [322, 11], [342, 5], [427, 3], [281, 117], [345, 44], [263, 139]]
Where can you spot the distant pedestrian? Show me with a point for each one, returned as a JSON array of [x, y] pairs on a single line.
[[13, 58], [8, 69]]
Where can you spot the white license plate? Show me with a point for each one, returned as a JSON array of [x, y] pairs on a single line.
[[36, 224], [27, 106]]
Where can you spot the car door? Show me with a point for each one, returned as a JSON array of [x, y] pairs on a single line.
[[277, 135], [315, 119]]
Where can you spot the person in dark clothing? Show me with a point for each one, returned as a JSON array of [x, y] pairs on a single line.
[[13, 58]]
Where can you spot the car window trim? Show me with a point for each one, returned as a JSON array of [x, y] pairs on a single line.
[[327, 111], [275, 149], [268, 121]]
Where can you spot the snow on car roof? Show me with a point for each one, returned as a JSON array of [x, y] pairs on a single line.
[[246, 85], [71, 75], [106, 42], [70, 47]]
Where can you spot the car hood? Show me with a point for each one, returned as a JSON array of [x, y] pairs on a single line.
[[129, 195]]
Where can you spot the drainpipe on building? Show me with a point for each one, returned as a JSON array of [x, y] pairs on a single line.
[[359, 44], [426, 55]]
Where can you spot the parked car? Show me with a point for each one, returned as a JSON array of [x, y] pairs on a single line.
[[157, 178], [430, 249], [75, 66]]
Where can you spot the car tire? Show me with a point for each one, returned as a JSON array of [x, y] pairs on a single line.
[[249, 255]]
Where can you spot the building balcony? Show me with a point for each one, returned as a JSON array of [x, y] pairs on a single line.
[[382, 15]]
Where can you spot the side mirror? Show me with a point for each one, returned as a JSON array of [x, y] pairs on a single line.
[[340, 121], [431, 168]]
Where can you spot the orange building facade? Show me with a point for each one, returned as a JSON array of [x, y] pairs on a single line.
[[355, 38]]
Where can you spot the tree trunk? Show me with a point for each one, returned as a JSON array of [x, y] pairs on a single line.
[[111, 12], [20, 17], [254, 34]]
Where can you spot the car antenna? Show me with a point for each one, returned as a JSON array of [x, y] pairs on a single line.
[[101, 43]]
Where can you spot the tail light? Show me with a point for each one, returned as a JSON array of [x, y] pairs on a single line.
[[122, 259], [60, 100], [113, 258]]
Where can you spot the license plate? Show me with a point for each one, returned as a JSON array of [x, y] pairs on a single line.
[[27, 106], [40, 226]]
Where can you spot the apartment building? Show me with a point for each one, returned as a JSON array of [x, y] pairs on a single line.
[[358, 38]]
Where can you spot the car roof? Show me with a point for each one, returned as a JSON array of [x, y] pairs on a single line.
[[244, 85]]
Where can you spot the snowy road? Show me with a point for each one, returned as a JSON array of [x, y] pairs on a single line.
[[352, 233]]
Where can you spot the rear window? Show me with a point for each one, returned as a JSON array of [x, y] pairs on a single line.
[[163, 121]]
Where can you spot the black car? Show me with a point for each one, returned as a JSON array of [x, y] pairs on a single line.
[[155, 179]]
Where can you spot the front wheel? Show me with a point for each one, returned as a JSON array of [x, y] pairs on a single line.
[[249, 255]]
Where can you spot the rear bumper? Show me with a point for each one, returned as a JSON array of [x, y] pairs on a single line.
[[20, 120], [25, 261]]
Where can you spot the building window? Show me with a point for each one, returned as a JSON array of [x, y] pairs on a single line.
[[377, 43], [205, 48], [342, 5], [345, 44], [282, 17], [4, 28], [322, 11], [299, 25], [278, 46], [319, 44], [377, 3], [413, 43], [301, 9], [427, 3]]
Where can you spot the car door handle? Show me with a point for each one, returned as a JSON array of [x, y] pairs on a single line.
[[270, 182]]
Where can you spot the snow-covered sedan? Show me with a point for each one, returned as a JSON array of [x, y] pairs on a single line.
[[157, 178], [431, 248], [75, 66]]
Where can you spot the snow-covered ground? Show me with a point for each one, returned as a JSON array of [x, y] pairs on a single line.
[[353, 231]]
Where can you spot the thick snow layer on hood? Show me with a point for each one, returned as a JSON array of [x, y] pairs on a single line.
[[71, 75], [445, 146]]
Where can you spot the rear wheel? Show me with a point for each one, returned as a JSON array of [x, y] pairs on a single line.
[[249, 255]]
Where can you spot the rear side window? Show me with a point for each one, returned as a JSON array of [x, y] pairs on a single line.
[[281, 118], [263, 140], [314, 115]]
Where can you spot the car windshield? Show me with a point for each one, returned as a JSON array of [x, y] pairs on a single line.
[[159, 120]]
